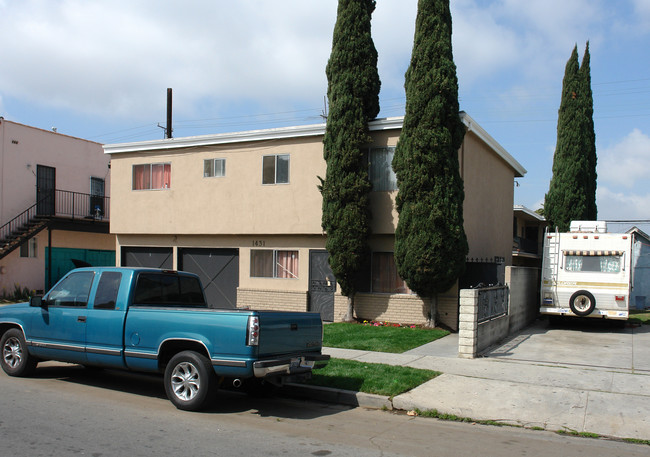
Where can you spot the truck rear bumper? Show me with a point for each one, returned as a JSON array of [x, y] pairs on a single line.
[[289, 365]]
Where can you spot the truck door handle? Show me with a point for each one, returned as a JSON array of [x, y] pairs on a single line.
[[81, 319]]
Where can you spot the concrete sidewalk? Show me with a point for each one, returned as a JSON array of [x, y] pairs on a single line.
[[609, 401]]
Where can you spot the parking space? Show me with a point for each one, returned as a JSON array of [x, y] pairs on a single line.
[[590, 343]]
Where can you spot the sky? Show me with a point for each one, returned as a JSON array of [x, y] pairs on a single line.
[[100, 70]]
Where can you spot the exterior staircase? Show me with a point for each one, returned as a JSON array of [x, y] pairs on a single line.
[[20, 229]]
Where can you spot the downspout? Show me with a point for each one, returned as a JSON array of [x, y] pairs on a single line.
[[49, 257]]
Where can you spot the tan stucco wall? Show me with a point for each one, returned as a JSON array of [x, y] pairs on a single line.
[[487, 209]]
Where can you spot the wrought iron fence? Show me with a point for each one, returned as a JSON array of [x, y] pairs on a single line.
[[492, 302]]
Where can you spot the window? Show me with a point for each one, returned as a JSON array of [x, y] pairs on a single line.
[[214, 168], [267, 263], [72, 291], [155, 289], [380, 169], [29, 249], [107, 289], [152, 176], [385, 279], [275, 169], [597, 263]]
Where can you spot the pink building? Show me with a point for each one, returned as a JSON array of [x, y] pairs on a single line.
[[53, 206]]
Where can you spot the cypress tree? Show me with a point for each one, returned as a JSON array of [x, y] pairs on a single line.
[[587, 99], [430, 242], [572, 191], [353, 95]]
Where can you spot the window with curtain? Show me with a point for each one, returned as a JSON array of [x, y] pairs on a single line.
[[150, 176], [595, 263], [275, 169], [268, 263], [380, 169], [385, 279], [214, 168]]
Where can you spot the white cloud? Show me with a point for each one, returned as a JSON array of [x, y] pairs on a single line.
[[627, 162], [623, 171]]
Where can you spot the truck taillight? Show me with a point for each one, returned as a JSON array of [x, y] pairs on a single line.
[[253, 334]]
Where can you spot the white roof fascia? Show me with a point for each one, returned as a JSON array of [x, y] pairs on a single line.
[[529, 212], [389, 123], [472, 126]]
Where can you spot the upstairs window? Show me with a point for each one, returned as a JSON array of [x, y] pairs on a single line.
[[380, 169], [150, 176], [275, 169], [214, 168]]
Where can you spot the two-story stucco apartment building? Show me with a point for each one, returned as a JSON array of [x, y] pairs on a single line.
[[244, 211], [54, 206]]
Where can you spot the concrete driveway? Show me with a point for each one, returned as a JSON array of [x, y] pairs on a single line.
[[591, 343]]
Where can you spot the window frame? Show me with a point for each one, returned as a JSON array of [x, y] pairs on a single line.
[[402, 289], [276, 159], [388, 178], [148, 178], [275, 263], [29, 249], [213, 163]]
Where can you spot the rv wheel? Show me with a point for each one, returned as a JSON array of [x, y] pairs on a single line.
[[582, 303]]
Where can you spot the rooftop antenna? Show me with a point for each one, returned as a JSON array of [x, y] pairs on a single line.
[[324, 112]]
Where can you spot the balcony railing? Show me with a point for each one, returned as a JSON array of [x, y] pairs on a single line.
[[525, 245]]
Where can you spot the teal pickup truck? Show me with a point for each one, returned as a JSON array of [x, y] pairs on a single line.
[[150, 320]]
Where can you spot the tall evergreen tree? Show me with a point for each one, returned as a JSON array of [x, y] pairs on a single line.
[[572, 191], [587, 99], [353, 94], [430, 242]]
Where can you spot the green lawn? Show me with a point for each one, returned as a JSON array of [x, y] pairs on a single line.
[[373, 378], [640, 317], [378, 338]]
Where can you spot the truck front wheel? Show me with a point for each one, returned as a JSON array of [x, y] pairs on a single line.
[[582, 303], [16, 360], [190, 382]]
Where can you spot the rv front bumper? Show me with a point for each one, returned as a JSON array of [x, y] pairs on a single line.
[[610, 314]]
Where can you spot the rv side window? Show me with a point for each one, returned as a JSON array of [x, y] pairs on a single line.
[[597, 263]]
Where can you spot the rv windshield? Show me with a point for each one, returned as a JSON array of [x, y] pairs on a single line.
[[597, 263]]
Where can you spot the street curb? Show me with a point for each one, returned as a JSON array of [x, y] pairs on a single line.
[[339, 396]]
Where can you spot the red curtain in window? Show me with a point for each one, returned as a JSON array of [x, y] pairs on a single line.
[[141, 177], [286, 264], [161, 175], [261, 263]]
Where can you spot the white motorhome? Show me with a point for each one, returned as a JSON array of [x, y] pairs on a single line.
[[587, 272]]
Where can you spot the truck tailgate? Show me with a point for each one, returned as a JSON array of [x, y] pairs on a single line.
[[286, 333]]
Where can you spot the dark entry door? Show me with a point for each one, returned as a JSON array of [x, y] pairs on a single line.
[[45, 190], [322, 285], [219, 273]]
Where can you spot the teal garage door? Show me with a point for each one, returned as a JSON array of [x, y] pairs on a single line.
[[66, 259]]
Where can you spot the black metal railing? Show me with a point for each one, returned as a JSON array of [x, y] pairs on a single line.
[[61, 203], [525, 245], [492, 302]]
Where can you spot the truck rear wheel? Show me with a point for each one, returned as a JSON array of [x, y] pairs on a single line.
[[190, 382], [16, 360], [582, 303]]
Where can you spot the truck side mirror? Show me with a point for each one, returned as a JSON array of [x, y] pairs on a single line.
[[37, 301]]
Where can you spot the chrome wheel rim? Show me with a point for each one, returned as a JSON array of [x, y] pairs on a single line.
[[582, 303], [12, 352], [185, 381]]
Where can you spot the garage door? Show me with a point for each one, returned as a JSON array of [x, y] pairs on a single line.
[[147, 257], [218, 270]]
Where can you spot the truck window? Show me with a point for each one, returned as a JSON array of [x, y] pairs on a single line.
[[72, 291], [594, 263], [155, 289], [107, 289]]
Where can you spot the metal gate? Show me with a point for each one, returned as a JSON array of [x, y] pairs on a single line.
[[147, 257], [322, 285], [45, 190], [219, 273]]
